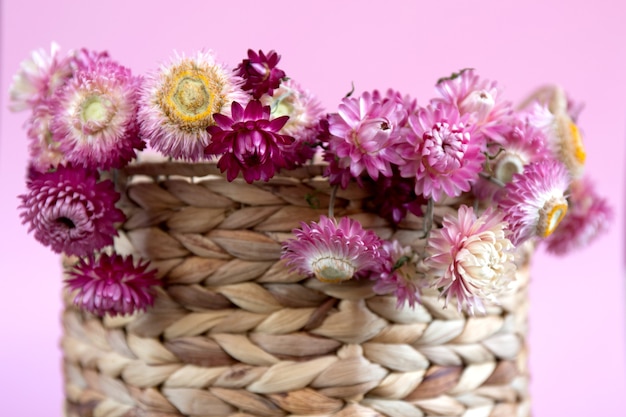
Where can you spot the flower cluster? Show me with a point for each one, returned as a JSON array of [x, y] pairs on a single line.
[[521, 170]]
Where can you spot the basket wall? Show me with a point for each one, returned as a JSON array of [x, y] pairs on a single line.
[[235, 333]]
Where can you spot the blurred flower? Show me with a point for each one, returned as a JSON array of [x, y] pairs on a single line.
[[95, 117], [70, 211], [332, 252], [363, 133], [304, 111], [480, 99], [249, 142], [400, 275], [471, 258], [38, 78], [440, 153], [179, 100], [534, 202], [112, 285], [588, 216], [563, 137], [44, 150], [260, 73], [395, 197]]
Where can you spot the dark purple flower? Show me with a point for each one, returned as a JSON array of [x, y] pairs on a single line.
[[395, 196], [249, 142], [70, 211], [112, 285], [260, 73]]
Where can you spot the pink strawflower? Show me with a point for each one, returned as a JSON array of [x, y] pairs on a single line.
[[95, 117], [564, 138], [363, 134], [471, 258], [260, 73], [534, 201], [332, 251], [70, 211], [179, 100], [589, 215], [480, 99], [38, 78], [521, 145], [305, 112], [441, 152], [85, 59], [400, 275], [249, 142], [112, 284], [45, 153]]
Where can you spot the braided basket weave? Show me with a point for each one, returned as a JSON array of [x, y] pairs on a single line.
[[235, 333]]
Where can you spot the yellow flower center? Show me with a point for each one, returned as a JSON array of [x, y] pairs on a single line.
[[191, 95], [332, 270], [577, 141], [550, 216]]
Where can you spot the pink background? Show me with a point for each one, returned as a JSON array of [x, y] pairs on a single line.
[[577, 339]]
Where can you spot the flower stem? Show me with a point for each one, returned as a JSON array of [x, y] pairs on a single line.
[[492, 179], [428, 217]]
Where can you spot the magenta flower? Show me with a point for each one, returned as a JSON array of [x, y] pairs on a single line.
[[178, 102], [85, 59], [70, 211], [534, 202], [333, 252], [95, 122], [112, 285], [441, 152], [400, 275], [589, 215], [479, 99], [249, 142], [260, 73], [38, 78], [471, 258], [395, 197], [364, 132]]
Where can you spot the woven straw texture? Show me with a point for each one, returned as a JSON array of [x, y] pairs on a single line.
[[235, 333]]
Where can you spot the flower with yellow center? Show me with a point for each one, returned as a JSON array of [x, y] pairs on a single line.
[[178, 102]]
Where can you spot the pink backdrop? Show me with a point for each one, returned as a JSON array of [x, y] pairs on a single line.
[[577, 339]]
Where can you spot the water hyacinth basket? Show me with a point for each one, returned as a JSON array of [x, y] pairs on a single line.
[[236, 333]]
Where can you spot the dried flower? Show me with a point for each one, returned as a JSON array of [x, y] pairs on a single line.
[[587, 217], [363, 134], [112, 285], [70, 211], [400, 275], [332, 251], [95, 117], [249, 142], [260, 73], [178, 103], [534, 202], [45, 153], [440, 153], [38, 78], [471, 258], [395, 197]]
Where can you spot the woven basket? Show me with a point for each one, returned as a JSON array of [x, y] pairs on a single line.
[[235, 333]]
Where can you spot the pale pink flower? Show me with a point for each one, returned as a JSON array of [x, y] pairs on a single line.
[[441, 152], [588, 216], [331, 251], [38, 78], [70, 211], [112, 284], [45, 153], [564, 138], [478, 98], [534, 201], [363, 134], [95, 116], [249, 142], [471, 258], [400, 275], [304, 111], [522, 144], [179, 100]]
